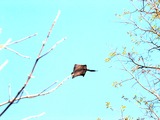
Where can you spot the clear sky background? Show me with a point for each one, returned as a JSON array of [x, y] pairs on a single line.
[[92, 31]]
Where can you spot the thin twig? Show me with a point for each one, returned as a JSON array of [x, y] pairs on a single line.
[[35, 116], [9, 91], [143, 66], [45, 41], [23, 39], [53, 47], [41, 93], [3, 65], [61, 83], [7, 48], [48, 87]]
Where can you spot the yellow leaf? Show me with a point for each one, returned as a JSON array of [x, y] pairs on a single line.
[[112, 54], [124, 51], [123, 107], [107, 59], [108, 104]]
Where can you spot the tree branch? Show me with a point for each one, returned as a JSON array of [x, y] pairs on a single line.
[[42, 93], [3, 65], [34, 66], [153, 93], [143, 66], [16, 52], [35, 116], [23, 39]]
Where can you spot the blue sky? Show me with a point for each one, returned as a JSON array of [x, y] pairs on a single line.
[[92, 31]]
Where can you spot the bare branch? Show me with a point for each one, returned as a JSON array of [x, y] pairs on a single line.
[[9, 91], [53, 24], [23, 39], [153, 93], [48, 87], [17, 52], [144, 66], [58, 42], [3, 65], [150, 108], [34, 66], [15, 42], [35, 116], [42, 93]]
